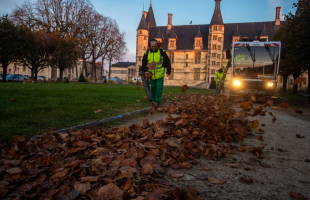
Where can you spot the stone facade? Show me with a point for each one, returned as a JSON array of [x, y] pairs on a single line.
[[197, 52], [124, 70], [53, 73]]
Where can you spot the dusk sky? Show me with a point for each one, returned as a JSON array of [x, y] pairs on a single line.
[[128, 13]]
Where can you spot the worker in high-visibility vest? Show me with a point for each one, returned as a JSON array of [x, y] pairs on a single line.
[[218, 79], [154, 61]]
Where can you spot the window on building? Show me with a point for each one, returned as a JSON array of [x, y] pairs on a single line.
[[24, 67], [213, 62], [220, 39], [171, 74], [214, 47], [305, 81], [220, 28], [186, 64], [219, 47], [144, 37], [140, 32], [212, 71], [214, 37], [144, 48], [208, 61], [171, 43], [198, 43], [198, 58], [172, 57], [218, 55], [197, 74], [291, 81], [129, 72], [215, 28], [186, 56], [218, 64], [213, 55]]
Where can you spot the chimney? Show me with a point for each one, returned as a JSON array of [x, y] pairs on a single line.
[[169, 25], [145, 14], [278, 11]]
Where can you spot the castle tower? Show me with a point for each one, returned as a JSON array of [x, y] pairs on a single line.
[[216, 40], [147, 21]]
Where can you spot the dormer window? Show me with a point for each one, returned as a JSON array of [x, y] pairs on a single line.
[[172, 44], [198, 43], [215, 28]]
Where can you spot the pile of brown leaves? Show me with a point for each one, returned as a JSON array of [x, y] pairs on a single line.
[[124, 163]]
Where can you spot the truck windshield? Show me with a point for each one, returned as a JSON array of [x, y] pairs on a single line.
[[255, 62]]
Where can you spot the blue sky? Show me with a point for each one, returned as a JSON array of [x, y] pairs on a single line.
[[128, 13]]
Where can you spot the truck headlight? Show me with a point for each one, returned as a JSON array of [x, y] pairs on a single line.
[[270, 84], [237, 83]]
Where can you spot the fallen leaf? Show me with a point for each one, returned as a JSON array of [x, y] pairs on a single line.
[[297, 195], [147, 169], [176, 174], [246, 105], [265, 165], [274, 119], [270, 113], [284, 105], [247, 168], [98, 111], [260, 138], [254, 124], [246, 180], [13, 100], [206, 168], [241, 150], [82, 187], [299, 136], [261, 130], [216, 181], [138, 88], [138, 100], [298, 111], [232, 165], [110, 192]]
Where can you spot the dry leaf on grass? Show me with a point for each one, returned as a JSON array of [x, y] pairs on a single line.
[[260, 138], [254, 124], [98, 111], [232, 165], [12, 99], [265, 165], [298, 111], [138, 88], [274, 119], [110, 192]]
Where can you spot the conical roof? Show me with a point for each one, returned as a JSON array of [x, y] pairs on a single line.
[[172, 35], [150, 18], [217, 15], [264, 33], [237, 33], [198, 33], [159, 35], [142, 24]]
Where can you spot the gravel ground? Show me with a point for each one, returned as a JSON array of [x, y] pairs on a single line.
[[290, 171]]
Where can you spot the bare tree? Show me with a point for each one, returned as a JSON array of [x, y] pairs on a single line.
[[117, 49]]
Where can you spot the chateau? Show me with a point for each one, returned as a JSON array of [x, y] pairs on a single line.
[[198, 51]]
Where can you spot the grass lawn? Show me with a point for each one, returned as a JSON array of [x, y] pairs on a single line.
[[43, 105]]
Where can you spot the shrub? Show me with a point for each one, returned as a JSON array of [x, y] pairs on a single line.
[[131, 82], [82, 78], [86, 80], [138, 82], [110, 81], [67, 80], [213, 85]]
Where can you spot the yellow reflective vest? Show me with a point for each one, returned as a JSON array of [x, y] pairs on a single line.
[[218, 77], [159, 71]]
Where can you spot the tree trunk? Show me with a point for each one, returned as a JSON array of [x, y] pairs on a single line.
[[308, 90], [102, 59], [4, 67], [110, 60], [32, 75], [284, 83], [295, 87], [36, 75], [61, 73], [76, 70], [85, 68]]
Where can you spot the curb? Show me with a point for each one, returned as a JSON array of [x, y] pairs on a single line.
[[103, 121]]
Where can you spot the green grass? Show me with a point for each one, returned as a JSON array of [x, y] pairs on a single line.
[[40, 106], [292, 97]]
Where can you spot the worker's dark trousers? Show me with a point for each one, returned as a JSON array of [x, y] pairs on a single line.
[[157, 87]]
